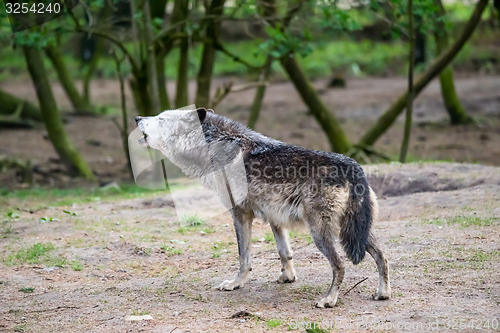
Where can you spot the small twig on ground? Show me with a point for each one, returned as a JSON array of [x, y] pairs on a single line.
[[363, 280]]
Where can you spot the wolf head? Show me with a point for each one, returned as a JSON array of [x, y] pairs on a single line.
[[172, 129]]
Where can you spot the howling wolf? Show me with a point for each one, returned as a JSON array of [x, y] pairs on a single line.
[[286, 186]]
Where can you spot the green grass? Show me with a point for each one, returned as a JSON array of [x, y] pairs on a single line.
[[27, 290], [269, 238], [482, 256], [42, 197], [76, 266], [464, 221], [220, 247], [139, 312], [6, 223], [273, 322], [194, 223], [20, 328], [171, 251], [192, 220], [209, 230], [34, 254]]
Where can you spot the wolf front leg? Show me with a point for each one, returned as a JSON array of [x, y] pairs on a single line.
[[243, 226]]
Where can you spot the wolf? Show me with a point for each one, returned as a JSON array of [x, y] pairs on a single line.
[[287, 186]]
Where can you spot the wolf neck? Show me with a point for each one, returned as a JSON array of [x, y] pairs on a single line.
[[222, 140], [221, 129]]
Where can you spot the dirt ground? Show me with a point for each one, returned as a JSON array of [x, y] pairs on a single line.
[[109, 259], [284, 117], [439, 227]]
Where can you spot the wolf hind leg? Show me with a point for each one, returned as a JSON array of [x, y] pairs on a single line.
[[243, 227], [384, 288], [324, 238], [286, 255]]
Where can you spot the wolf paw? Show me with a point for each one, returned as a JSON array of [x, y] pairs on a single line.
[[326, 302], [229, 285], [287, 278], [381, 295]]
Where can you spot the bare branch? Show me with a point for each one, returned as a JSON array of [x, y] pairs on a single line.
[[228, 88], [111, 38]]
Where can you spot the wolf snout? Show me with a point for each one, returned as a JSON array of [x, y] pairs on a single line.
[[138, 119]]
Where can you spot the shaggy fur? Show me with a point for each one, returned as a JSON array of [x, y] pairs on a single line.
[[285, 185]]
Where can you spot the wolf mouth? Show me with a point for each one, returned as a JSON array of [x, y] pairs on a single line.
[[143, 141]]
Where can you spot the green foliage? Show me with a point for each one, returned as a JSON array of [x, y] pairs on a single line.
[[280, 43], [336, 18], [34, 37]]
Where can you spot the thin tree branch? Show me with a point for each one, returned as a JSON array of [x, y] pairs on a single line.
[[113, 39]]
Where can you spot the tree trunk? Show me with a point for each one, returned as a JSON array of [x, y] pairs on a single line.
[[266, 8], [336, 136], [457, 113], [10, 104], [158, 11], [151, 61], [182, 90], [66, 79], [57, 135], [259, 94], [204, 78], [496, 5], [124, 126], [179, 13], [387, 119], [139, 87], [162, 80], [409, 103]]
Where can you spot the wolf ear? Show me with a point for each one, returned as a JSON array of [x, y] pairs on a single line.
[[202, 113]]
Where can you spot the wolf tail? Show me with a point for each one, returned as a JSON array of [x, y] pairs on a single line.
[[355, 228]]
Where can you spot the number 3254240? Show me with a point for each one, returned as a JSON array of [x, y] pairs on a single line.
[[36, 8]]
